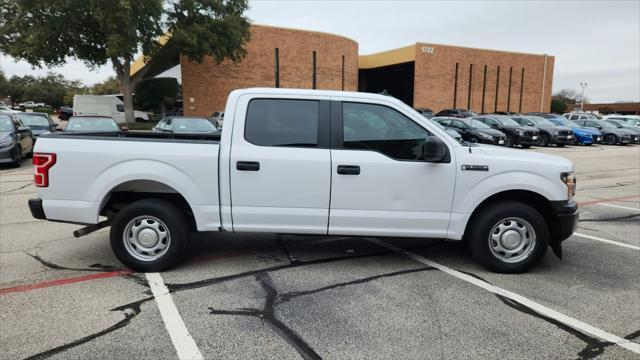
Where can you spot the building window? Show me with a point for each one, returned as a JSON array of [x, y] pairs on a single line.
[[495, 106], [276, 55], [521, 90], [455, 87], [484, 87], [509, 92], [313, 80], [470, 86]]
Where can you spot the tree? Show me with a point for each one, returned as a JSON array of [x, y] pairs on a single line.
[[569, 96], [116, 31], [157, 92], [558, 106], [109, 86]]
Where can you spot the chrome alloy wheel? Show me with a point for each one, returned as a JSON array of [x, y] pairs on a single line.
[[512, 240], [146, 238]]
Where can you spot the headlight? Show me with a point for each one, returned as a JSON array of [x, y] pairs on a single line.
[[485, 136], [555, 132], [520, 132], [569, 179]]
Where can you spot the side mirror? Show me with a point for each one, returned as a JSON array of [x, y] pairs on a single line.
[[23, 129], [124, 128], [434, 150]]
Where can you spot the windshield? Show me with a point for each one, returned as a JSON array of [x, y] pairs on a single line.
[[624, 124], [479, 125], [192, 125], [540, 121], [5, 124], [508, 121], [30, 119], [91, 124]]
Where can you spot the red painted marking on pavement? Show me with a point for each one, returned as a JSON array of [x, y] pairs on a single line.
[[58, 282], [591, 202]]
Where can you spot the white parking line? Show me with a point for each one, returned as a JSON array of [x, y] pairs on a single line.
[[540, 309], [607, 241], [619, 207], [183, 342]]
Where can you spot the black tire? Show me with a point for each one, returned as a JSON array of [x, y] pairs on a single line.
[[545, 140], [478, 236], [525, 146], [610, 139], [510, 141], [474, 139], [17, 160], [140, 120], [560, 145], [176, 226]]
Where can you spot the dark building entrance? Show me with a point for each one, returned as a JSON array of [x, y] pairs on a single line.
[[396, 79]]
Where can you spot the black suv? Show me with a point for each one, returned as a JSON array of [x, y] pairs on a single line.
[[473, 130], [459, 113], [550, 133], [516, 134]]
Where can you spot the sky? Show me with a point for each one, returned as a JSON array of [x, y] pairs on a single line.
[[597, 42]]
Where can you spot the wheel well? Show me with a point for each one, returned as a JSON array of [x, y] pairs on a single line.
[[131, 191], [535, 200]]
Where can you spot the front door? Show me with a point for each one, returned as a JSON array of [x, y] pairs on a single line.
[[380, 185], [280, 166]]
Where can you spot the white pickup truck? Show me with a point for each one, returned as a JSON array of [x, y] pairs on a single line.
[[306, 162]]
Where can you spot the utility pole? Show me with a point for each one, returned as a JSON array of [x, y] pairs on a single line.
[[583, 85]]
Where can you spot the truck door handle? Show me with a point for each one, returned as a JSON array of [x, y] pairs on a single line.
[[248, 166], [348, 169]]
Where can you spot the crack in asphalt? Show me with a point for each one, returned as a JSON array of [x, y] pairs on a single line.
[[130, 311], [16, 189], [612, 219], [274, 298], [594, 346]]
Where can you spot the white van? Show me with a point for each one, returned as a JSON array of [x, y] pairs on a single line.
[[107, 105]]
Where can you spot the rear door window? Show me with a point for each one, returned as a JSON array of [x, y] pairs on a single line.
[[282, 122]]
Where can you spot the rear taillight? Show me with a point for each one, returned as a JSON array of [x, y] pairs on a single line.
[[42, 163]]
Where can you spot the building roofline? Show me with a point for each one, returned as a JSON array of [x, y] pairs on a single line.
[[304, 30], [483, 49]]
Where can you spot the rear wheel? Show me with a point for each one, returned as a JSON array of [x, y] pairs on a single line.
[[17, 158], [140, 119], [525, 146], [508, 237], [149, 235], [473, 139]]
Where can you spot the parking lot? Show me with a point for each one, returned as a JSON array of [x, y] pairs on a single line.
[[272, 296]]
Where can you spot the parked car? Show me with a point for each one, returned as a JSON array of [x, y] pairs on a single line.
[[516, 134], [426, 112], [6, 109], [550, 133], [621, 124], [627, 119], [473, 130], [573, 116], [505, 113], [185, 125], [39, 123], [581, 135], [31, 104], [611, 134], [459, 113], [375, 168], [93, 124], [65, 113], [452, 132], [218, 119], [16, 140], [105, 105]]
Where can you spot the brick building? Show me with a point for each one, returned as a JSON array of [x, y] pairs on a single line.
[[423, 75]]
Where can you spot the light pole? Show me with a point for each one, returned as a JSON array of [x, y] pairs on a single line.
[[583, 85]]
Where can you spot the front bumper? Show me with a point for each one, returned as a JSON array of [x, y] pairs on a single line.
[[528, 140], [562, 139], [567, 215], [37, 211], [7, 154]]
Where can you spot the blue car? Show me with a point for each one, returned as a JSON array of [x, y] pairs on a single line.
[[582, 135]]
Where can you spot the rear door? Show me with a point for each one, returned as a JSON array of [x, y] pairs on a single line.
[[280, 165], [380, 185]]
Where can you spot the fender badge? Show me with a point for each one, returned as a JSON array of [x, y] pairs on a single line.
[[475, 167]]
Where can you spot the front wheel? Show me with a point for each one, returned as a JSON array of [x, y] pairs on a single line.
[[510, 141], [610, 139], [544, 140], [17, 158], [508, 237], [149, 235]]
